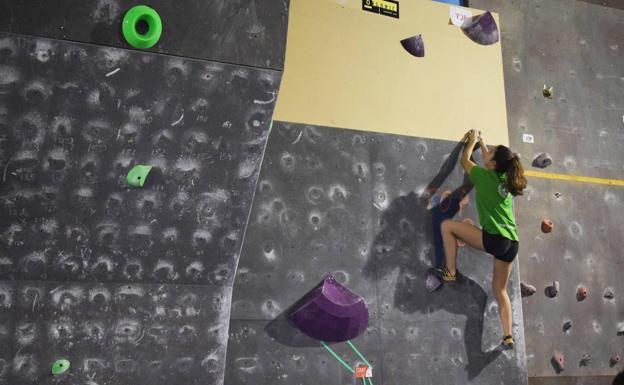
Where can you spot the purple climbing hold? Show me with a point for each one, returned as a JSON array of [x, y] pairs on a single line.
[[527, 290], [615, 358], [414, 45], [432, 282], [482, 29], [330, 312]]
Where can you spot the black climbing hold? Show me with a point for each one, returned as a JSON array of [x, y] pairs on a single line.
[[543, 160], [548, 92], [567, 326], [585, 360], [552, 290]]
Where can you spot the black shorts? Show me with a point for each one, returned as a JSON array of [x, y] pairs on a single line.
[[500, 247]]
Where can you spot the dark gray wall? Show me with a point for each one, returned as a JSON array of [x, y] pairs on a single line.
[[129, 284], [360, 205], [577, 48], [246, 32]]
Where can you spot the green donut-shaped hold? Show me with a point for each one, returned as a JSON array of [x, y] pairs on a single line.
[[129, 26]]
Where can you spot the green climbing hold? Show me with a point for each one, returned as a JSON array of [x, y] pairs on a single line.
[[147, 15], [137, 175], [60, 366]]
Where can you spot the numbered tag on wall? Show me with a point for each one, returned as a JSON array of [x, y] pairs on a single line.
[[528, 138]]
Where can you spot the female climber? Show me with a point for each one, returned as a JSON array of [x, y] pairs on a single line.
[[501, 178]]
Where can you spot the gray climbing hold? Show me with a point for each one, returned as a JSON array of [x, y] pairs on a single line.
[[527, 290], [615, 358], [585, 360], [608, 293], [567, 326], [552, 290], [620, 331], [543, 160]]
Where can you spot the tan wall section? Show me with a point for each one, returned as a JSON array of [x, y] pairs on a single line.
[[346, 68]]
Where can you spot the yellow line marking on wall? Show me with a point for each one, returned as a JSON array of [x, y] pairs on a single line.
[[574, 178]]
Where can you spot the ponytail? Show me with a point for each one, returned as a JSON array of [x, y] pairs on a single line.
[[508, 162]]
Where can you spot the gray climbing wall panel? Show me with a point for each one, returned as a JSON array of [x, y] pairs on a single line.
[[126, 283], [351, 203], [246, 32], [582, 128]]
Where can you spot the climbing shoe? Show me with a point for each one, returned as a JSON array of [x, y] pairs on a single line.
[[444, 274], [508, 342]]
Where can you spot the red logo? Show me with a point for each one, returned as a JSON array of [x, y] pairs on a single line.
[[362, 371]]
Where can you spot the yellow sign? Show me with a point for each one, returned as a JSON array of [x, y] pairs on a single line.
[[383, 7]]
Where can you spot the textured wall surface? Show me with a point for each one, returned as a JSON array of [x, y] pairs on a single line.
[[246, 32], [355, 204], [124, 282], [582, 128]]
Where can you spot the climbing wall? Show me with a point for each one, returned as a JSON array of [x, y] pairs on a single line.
[[245, 32], [129, 284], [354, 204], [582, 129]]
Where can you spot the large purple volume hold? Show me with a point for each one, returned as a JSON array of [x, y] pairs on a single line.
[[330, 312], [414, 45], [482, 29]]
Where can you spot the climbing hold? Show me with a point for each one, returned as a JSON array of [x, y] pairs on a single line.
[[527, 290], [620, 331], [136, 15], [547, 225], [432, 282], [137, 175], [558, 195], [548, 92], [414, 45], [581, 293], [543, 160], [608, 293], [585, 360], [558, 362], [482, 29], [615, 358], [330, 312], [567, 326], [60, 366], [552, 290]]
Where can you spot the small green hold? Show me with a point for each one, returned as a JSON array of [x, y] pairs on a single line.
[[60, 366], [137, 175]]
